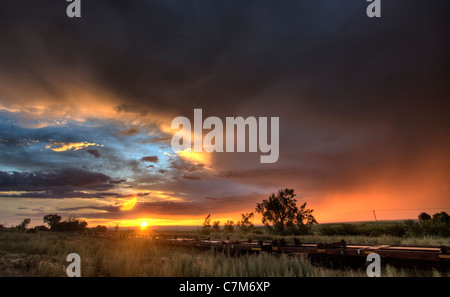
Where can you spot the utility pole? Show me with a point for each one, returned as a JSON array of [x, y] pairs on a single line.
[[375, 216]]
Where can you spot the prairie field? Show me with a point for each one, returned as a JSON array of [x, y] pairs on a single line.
[[43, 254]]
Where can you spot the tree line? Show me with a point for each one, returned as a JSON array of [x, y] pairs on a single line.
[[280, 215], [54, 223], [438, 225]]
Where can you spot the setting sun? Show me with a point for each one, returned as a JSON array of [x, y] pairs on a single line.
[[144, 224]]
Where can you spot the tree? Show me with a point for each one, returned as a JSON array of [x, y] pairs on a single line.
[[55, 224], [303, 222], [24, 224], [228, 226], [439, 225], [423, 217], [100, 228], [280, 214], [52, 220], [441, 218], [206, 224], [244, 225], [73, 224], [216, 226]]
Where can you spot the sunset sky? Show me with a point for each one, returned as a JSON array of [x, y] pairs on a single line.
[[86, 107]]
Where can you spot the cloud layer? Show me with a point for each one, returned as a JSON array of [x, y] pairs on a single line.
[[86, 105]]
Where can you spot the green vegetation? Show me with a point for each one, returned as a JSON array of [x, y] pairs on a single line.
[[260, 234], [439, 225], [281, 215], [243, 226], [24, 224], [53, 221]]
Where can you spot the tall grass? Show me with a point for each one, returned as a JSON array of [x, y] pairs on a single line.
[[44, 254], [316, 237]]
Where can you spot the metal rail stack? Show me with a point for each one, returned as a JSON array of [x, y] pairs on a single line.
[[337, 255]]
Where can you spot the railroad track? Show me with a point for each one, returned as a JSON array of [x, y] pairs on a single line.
[[336, 255]]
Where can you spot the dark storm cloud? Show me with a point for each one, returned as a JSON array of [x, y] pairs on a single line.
[[94, 152], [59, 180], [109, 208], [140, 194], [191, 177], [62, 194], [159, 139], [153, 159], [219, 55], [129, 132], [333, 60], [186, 166]]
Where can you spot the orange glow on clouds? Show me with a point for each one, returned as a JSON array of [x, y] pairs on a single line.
[[129, 204], [195, 157], [63, 147]]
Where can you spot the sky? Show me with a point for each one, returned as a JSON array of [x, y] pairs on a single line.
[[86, 106]]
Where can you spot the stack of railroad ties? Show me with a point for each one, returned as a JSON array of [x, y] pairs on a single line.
[[337, 255]]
